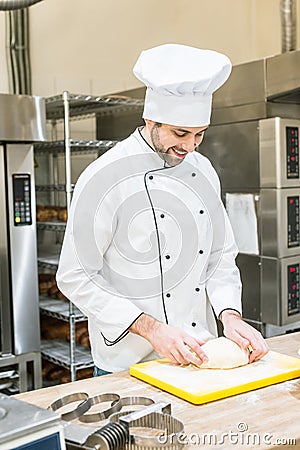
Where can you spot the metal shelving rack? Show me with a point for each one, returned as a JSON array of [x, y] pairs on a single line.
[[76, 146], [58, 309], [65, 108]]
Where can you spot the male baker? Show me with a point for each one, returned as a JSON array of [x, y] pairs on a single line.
[[149, 253]]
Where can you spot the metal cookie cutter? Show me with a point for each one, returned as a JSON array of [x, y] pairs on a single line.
[[171, 428], [130, 401], [71, 398], [101, 398]]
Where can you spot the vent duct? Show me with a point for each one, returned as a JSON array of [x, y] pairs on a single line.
[[288, 25], [18, 52], [9, 5], [17, 44]]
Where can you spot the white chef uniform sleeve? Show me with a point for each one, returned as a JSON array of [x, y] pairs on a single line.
[[79, 274]]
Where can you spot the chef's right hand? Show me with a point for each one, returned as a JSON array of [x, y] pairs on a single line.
[[171, 342]]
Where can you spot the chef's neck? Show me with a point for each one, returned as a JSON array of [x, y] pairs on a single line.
[[145, 132]]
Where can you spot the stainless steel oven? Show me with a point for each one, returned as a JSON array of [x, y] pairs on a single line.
[[22, 121], [254, 145]]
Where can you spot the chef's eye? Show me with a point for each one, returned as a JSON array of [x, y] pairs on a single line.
[[179, 134]]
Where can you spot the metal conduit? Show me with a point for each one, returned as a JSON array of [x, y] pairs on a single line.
[[17, 44], [9, 5], [288, 25], [17, 51]]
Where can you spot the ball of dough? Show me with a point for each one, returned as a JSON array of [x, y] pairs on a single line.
[[223, 353]]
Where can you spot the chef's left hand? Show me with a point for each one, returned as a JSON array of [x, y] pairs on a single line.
[[243, 334]]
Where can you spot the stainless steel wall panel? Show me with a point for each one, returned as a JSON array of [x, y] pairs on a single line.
[[254, 111], [250, 155], [119, 125], [250, 267], [245, 85], [239, 113], [234, 152], [275, 78], [291, 111], [259, 89], [283, 76]]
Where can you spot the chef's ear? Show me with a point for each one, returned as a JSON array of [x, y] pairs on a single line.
[[149, 123]]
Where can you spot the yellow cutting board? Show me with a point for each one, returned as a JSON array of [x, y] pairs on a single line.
[[206, 385]]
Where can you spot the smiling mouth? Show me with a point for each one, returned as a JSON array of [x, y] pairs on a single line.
[[178, 153]]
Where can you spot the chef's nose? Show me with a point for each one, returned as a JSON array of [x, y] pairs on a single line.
[[189, 144]]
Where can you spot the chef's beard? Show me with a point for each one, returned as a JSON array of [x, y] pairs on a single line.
[[170, 160]]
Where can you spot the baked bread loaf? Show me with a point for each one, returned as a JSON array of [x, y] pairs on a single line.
[[62, 214], [46, 282], [47, 285], [80, 375], [51, 213], [52, 328]]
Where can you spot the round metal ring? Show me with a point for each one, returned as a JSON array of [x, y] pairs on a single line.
[[96, 417], [71, 398], [129, 401], [116, 416]]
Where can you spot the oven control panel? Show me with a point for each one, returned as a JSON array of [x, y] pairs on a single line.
[[293, 289], [293, 221], [22, 199], [292, 152]]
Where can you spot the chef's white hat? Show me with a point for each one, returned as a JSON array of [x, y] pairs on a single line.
[[180, 81]]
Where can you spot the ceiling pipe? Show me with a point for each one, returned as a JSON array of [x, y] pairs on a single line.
[[17, 44], [9, 5], [288, 25]]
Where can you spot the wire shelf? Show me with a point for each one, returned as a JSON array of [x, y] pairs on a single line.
[[48, 257], [59, 309], [51, 226], [58, 352], [52, 187], [77, 146], [89, 104]]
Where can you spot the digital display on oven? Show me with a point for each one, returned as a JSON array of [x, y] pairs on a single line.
[[293, 289], [22, 199], [292, 152], [293, 237]]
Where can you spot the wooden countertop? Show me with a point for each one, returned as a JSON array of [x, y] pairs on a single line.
[[265, 418]]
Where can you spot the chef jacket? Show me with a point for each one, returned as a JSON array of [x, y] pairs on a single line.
[[145, 237]]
